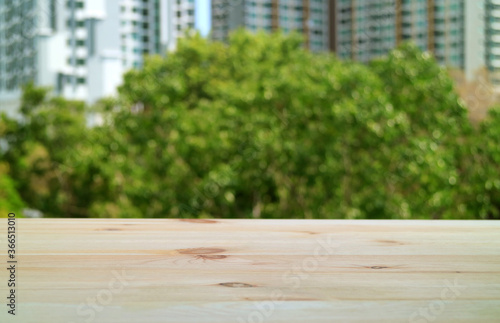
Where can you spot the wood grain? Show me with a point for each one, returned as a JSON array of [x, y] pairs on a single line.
[[174, 270]]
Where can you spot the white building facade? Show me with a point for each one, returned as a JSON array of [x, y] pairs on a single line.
[[81, 48]]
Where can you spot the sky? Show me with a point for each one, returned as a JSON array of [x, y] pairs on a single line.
[[202, 16]]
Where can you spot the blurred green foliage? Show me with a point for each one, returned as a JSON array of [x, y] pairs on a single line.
[[10, 201], [259, 128]]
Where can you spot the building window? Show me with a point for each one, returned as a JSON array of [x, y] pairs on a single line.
[[77, 4], [80, 80], [53, 14], [79, 23]]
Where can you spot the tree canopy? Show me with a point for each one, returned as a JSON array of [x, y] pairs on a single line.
[[260, 128]]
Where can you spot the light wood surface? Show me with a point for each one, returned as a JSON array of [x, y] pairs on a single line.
[[171, 270]]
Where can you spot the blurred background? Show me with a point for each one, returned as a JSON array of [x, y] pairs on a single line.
[[350, 109]]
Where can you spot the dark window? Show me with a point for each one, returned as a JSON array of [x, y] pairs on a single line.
[[77, 4], [91, 37], [53, 14], [79, 23]]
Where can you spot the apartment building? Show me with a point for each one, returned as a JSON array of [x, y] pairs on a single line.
[[491, 40], [227, 15], [177, 17], [454, 30], [309, 17], [81, 48], [462, 34]]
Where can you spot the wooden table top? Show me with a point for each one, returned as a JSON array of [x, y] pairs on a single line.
[[171, 270]]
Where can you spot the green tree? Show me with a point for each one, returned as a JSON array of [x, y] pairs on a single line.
[[43, 154], [10, 201], [276, 131], [261, 128], [482, 168]]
